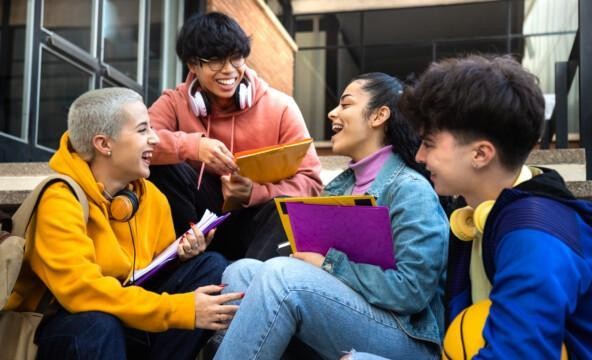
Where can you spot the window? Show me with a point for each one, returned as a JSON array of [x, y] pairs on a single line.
[[334, 47], [12, 54], [121, 36], [52, 51], [61, 83]]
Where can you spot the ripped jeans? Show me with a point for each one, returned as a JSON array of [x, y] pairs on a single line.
[[286, 297]]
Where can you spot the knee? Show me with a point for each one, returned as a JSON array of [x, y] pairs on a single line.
[[105, 335], [278, 272], [279, 265], [82, 333], [239, 274], [99, 323]]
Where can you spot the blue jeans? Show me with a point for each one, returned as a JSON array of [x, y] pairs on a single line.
[[285, 297], [98, 335], [354, 355]]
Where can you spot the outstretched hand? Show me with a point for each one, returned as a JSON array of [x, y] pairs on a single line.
[[211, 313], [216, 155]]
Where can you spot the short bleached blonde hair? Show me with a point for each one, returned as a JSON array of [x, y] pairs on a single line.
[[97, 112]]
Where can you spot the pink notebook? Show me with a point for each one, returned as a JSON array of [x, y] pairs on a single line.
[[362, 232]]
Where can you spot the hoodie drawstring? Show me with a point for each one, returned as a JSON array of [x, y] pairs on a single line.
[[203, 164], [232, 136]]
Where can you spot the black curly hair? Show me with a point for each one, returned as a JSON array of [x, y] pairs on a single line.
[[479, 97], [211, 35]]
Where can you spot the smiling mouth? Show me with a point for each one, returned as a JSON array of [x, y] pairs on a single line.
[[147, 156], [336, 128], [226, 81]]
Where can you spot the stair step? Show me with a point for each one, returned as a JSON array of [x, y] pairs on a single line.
[[570, 163], [557, 156], [18, 179], [581, 189]]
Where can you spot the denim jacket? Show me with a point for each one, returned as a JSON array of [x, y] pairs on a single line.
[[414, 291]]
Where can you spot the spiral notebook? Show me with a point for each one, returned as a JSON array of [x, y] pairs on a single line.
[[363, 233]]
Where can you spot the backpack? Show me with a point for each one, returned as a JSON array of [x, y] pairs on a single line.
[[17, 329]]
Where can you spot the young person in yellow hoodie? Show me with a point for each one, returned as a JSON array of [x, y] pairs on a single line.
[[87, 266], [224, 107]]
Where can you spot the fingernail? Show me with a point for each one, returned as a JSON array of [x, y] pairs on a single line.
[[242, 295], [191, 224], [223, 285]]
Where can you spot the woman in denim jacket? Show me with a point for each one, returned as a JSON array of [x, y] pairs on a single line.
[[331, 303]]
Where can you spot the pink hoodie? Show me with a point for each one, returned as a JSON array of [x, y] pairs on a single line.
[[274, 118]]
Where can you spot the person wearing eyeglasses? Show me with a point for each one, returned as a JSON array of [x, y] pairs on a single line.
[[223, 107]]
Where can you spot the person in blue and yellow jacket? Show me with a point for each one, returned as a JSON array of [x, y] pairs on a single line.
[[530, 251], [87, 267]]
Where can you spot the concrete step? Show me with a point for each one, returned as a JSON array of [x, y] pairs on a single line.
[[570, 163], [18, 179], [581, 189]]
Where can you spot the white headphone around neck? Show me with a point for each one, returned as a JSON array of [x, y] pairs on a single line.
[[200, 105]]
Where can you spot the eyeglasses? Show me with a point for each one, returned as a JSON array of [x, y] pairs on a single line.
[[216, 64]]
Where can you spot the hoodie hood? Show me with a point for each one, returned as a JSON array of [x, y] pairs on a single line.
[[549, 184], [67, 161]]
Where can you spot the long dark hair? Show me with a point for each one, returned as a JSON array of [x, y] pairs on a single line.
[[385, 90]]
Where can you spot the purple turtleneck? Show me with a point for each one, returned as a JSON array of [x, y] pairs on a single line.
[[365, 170]]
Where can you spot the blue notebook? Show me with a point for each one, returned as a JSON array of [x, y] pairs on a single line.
[[363, 233]]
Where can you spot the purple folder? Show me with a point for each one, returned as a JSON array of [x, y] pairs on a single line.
[[362, 232], [172, 254]]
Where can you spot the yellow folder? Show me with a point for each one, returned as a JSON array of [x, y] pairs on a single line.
[[269, 164], [272, 163], [346, 200]]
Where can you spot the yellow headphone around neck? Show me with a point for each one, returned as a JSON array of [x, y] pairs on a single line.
[[123, 205], [466, 223]]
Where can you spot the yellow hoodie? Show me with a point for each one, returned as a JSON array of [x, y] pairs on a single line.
[[85, 264]]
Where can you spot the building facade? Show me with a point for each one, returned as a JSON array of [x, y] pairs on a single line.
[[51, 51]]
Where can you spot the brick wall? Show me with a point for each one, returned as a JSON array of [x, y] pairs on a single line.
[[272, 50]]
